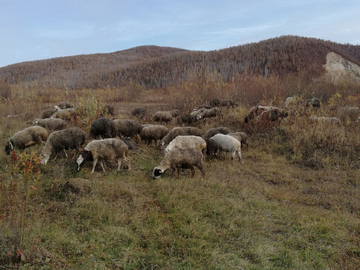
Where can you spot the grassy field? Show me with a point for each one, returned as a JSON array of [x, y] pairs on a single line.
[[293, 204]]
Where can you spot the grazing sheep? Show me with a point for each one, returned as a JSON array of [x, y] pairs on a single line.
[[162, 116], [273, 114], [185, 158], [348, 113], [189, 141], [241, 137], [256, 111], [329, 120], [108, 149], [150, 133], [61, 113], [188, 119], [228, 143], [295, 100], [127, 127], [176, 131], [62, 140], [65, 105], [223, 103], [212, 148], [102, 127], [27, 137], [139, 112], [50, 123], [314, 102], [209, 113], [47, 113], [174, 112], [212, 131]]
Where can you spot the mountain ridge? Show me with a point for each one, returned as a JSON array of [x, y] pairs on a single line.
[[158, 67]]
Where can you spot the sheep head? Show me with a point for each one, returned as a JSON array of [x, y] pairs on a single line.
[[84, 156], [44, 158], [157, 172]]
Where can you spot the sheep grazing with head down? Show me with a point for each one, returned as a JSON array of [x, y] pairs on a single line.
[[27, 137], [209, 113], [62, 140], [100, 150], [228, 143], [180, 158], [139, 112], [241, 137], [127, 127], [212, 148], [103, 128], [189, 141], [150, 133], [212, 131], [50, 123], [176, 131], [162, 116]]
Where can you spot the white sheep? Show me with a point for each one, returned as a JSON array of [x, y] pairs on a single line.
[[62, 140], [228, 143], [180, 158], [50, 123], [189, 141], [27, 137], [329, 120], [107, 149]]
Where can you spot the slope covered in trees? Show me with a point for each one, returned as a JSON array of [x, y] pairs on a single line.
[[154, 67]]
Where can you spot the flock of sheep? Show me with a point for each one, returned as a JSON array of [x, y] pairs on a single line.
[[183, 147]]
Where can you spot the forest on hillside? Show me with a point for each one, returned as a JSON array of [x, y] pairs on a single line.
[[160, 67]]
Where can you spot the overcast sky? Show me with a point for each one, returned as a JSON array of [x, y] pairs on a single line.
[[42, 29]]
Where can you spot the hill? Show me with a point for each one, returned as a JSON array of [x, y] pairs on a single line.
[[157, 67]]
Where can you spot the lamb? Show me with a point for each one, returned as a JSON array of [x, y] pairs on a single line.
[[212, 131], [151, 133], [62, 140], [241, 137], [189, 141], [228, 143], [209, 113], [49, 123], [329, 120], [127, 127], [27, 137], [176, 131], [108, 149], [185, 158], [102, 127], [162, 116]]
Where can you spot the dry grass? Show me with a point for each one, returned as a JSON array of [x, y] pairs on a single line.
[[294, 204]]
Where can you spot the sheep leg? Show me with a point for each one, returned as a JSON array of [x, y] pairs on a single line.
[[102, 165], [240, 158], [94, 164], [200, 167], [128, 161], [119, 164], [65, 153], [192, 172]]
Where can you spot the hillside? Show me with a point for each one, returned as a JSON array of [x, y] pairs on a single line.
[[157, 67]]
